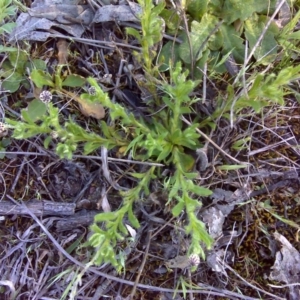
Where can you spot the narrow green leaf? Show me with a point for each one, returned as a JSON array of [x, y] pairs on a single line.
[[231, 167], [201, 191], [133, 32], [58, 80], [122, 229], [47, 141], [132, 218], [8, 27], [138, 175], [98, 231], [7, 49], [178, 208], [76, 244], [166, 151], [102, 217], [241, 144]]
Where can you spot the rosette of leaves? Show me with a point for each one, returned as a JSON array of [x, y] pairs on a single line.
[[14, 69], [218, 28]]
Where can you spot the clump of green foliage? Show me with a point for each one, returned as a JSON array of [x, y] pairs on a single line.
[[163, 141], [7, 9], [166, 140], [13, 68], [219, 28], [152, 31]]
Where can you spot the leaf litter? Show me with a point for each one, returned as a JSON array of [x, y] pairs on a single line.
[[72, 18]]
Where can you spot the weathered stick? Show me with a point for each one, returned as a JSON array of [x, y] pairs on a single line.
[[82, 218], [38, 207]]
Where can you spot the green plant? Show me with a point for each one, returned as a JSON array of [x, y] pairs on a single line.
[[288, 39], [14, 69], [56, 82], [7, 9], [166, 140], [207, 40], [152, 33], [67, 135], [261, 91], [163, 142]]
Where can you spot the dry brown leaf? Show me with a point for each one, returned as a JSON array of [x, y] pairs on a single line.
[[62, 47], [180, 262], [88, 109]]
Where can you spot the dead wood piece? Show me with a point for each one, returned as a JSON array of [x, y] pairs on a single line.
[[82, 218], [38, 207]]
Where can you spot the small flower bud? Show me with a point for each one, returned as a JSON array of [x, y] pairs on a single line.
[[3, 129], [46, 97], [194, 260], [92, 91], [54, 134]]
